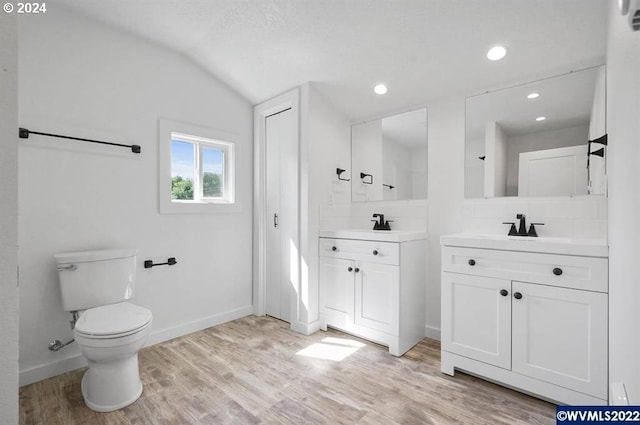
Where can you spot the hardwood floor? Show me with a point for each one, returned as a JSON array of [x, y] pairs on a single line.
[[255, 370]]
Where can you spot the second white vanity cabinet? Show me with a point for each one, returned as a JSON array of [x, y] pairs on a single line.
[[534, 321], [372, 288]]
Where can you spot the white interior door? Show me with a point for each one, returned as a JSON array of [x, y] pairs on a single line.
[[280, 169], [553, 172]]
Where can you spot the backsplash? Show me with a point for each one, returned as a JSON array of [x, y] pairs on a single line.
[[406, 215], [582, 217]]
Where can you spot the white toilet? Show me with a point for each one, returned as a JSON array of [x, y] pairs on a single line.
[[109, 331]]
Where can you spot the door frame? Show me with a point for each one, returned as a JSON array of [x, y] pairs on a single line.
[[288, 100]]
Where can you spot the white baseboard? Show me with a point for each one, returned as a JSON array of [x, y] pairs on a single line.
[[38, 373], [198, 325], [305, 328], [432, 332]]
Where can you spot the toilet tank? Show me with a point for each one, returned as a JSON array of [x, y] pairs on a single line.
[[93, 278]]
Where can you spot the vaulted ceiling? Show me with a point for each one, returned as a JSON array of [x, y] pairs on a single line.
[[422, 49]]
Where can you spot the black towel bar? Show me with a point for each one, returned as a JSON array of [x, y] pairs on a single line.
[[24, 133], [149, 263]]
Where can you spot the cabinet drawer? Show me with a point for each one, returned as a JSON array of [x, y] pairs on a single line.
[[568, 271], [370, 251]]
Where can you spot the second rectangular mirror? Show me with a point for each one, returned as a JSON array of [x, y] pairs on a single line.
[[389, 158], [534, 139]]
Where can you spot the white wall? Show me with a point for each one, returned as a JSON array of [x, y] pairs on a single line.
[[623, 167], [82, 78], [9, 220], [325, 146], [446, 129], [541, 140]]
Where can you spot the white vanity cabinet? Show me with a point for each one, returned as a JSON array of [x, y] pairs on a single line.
[[374, 289], [533, 321]]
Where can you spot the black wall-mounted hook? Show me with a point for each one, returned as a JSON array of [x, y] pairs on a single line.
[[602, 140], [482, 157], [149, 263], [340, 171], [599, 152], [363, 176], [388, 185]]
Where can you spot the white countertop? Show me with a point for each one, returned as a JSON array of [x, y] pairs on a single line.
[[375, 235], [545, 245]]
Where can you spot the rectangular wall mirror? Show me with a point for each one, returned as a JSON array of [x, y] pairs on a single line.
[[534, 139], [389, 158]]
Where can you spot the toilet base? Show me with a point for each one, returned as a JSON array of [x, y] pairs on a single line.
[[109, 386]]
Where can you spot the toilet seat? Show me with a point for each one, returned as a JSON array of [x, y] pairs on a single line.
[[113, 321]]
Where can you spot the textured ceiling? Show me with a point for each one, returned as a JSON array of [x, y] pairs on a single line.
[[422, 49]]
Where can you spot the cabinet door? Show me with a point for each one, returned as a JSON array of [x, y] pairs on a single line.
[[377, 296], [337, 288], [476, 318], [560, 336]]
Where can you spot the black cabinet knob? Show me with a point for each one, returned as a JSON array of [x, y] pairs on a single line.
[[504, 292], [472, 262], [557, 271], [375, 252], [334, 248], [357, 270], [350, 269], [517, 295]]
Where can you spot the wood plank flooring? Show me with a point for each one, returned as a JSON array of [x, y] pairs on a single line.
[[248, 372]]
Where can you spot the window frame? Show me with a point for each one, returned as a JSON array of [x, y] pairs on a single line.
[[201, 137]]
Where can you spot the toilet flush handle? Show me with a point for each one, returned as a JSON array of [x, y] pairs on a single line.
[[70, 268]]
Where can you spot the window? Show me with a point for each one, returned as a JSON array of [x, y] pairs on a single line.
[[196, 169], [199, 169]]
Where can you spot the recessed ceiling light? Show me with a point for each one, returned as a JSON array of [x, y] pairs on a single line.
[[533, 95], [380, 89], [541, 118], [496, 53]]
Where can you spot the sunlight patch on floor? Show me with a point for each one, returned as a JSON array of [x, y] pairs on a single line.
[[335, 349]]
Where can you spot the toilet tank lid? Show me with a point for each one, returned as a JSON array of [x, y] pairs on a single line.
[[94, 255]]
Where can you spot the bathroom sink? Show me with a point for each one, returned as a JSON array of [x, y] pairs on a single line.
[[549, 245], [375, 235]]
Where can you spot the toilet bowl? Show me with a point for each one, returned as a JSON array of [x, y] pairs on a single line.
[[110, 337]]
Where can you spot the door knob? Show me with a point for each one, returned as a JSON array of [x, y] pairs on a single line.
[[357, 270], [375, 252], [517, 295], [350, 269], [472, 262], [504, 292], [557, 271]]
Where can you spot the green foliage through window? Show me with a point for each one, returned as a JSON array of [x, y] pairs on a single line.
[[181, 188]]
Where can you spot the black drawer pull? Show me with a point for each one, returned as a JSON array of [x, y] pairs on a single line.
[[356, 270], [350, 269], [375, 252], [504, 292], [472, 262], [557, 271], [334, 248], [517, 295]]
